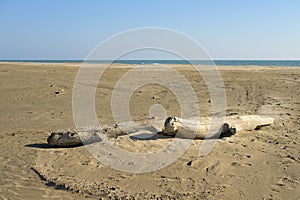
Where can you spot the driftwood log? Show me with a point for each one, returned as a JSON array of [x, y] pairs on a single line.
[[172, 126], [77, 137], [178, 127]]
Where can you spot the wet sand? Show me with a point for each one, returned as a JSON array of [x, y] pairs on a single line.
[[258, 164]]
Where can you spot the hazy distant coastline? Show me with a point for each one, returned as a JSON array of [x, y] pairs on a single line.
[[294, 63]]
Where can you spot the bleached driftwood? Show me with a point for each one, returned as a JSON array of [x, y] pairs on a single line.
[[88, 135], [70, 137], [173, 126], [178, 127]]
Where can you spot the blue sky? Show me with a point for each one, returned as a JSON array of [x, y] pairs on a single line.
[[227, 29]]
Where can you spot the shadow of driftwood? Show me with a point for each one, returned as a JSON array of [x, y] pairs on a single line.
[[48, 146], [148, 137], [180, 136]]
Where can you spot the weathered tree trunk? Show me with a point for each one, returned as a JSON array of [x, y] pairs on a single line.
[[173, 126], [183, 128]]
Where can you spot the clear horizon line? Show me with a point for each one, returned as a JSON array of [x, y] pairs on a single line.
[[150, 59]]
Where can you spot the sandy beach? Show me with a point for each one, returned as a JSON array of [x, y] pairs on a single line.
[[36, 99]]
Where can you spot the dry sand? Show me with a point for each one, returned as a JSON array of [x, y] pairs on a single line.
[[260, 164]]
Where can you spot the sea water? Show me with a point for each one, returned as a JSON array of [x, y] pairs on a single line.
[[295, 63]]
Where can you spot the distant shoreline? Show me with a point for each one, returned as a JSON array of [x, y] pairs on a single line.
[[294, 63]]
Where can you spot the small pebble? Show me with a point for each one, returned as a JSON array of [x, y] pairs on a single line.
[[59, 92]]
